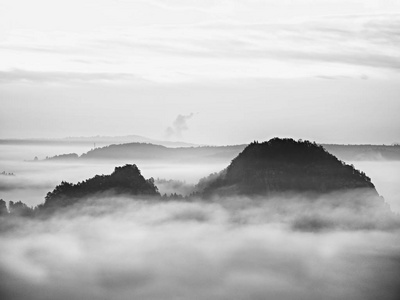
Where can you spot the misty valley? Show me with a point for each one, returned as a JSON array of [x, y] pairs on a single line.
[[280, 219]]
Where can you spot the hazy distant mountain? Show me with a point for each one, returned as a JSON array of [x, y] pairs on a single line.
[[179, 151], [285, 165], [69, 156], [108, 140], [364, 152], [142, 151], [125, 180], [97, 141]]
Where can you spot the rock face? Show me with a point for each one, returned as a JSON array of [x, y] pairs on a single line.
[[124, 180], [286, 165]]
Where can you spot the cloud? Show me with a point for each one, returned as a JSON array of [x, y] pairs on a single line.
[[18, 75], [178, 126], [235, 248], [11, 183], [363, 41], [342, 45], [25, 76]]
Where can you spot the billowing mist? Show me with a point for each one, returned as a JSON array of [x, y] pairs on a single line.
[[117, 248]]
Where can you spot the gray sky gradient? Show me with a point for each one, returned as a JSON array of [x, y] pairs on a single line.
[[322, 70]]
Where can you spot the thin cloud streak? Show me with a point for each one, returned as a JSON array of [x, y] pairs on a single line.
[[63, 77]]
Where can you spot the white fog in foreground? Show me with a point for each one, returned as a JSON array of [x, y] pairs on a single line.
[[235, 249]]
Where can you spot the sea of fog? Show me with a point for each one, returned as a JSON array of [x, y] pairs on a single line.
[[117, 248], [236, 248]]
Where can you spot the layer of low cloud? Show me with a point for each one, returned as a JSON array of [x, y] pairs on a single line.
[[11, 183], [230, 249]]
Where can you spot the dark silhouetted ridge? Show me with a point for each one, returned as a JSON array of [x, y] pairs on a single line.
[[286, 165], [124, 180]]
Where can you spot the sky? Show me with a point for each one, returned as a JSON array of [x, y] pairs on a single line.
[[209, 72]]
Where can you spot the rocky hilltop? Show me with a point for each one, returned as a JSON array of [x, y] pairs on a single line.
[[124, 180], [286, 165]]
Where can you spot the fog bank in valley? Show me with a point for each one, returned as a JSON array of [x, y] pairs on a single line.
[[235, 248]]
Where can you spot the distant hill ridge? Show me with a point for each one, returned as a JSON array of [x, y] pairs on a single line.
[[146, 151], [364, 152], [91, 140], [135, 150]]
